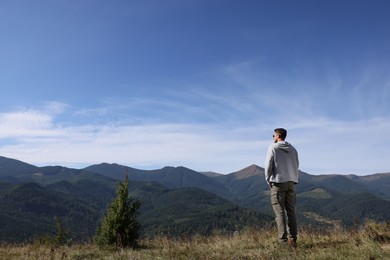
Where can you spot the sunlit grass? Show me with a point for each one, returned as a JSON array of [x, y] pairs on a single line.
[[370, 242]]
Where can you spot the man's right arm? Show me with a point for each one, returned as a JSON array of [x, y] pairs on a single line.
[[269, 163]]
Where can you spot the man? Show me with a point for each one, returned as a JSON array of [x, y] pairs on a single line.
[[281, 174]]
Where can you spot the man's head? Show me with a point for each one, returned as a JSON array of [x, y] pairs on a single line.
[[279, 134]]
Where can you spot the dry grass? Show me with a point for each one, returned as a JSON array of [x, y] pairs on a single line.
[[370, 242]]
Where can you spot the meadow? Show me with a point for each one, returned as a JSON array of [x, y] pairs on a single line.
[[372, 241]]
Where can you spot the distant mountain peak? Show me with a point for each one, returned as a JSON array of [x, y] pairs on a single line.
[[13, 167], [250, 171], [211, 174]]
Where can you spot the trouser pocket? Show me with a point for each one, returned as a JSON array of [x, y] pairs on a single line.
[[274, 198]]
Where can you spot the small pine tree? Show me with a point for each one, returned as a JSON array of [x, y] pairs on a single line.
[[61, 232], [120, 226], [60, 238]]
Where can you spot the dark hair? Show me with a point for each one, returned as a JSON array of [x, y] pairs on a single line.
[[282, 132]]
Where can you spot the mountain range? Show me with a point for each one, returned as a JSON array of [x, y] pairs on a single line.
[[176, 201]]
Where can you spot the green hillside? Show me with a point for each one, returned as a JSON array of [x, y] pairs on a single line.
[[176, 201], [188, 211], [28, 211]]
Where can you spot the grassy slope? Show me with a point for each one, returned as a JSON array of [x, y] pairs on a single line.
[[371, 242]]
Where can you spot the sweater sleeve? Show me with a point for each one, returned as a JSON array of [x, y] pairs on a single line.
[[269, 163]]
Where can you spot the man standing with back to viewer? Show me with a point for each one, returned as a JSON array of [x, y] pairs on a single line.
[[281, 174]]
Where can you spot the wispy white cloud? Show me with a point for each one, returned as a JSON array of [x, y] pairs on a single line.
[[30, 121], [335, 146], [54, 107], [325, 145], [223, 128], [24, 123], [197, 146]]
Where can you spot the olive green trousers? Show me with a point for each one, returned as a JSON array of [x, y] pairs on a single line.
[[283, 198]]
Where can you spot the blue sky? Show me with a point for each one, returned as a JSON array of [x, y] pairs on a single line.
[[195, 83]]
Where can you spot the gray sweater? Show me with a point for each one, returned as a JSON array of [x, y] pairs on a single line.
[[281, 163]]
